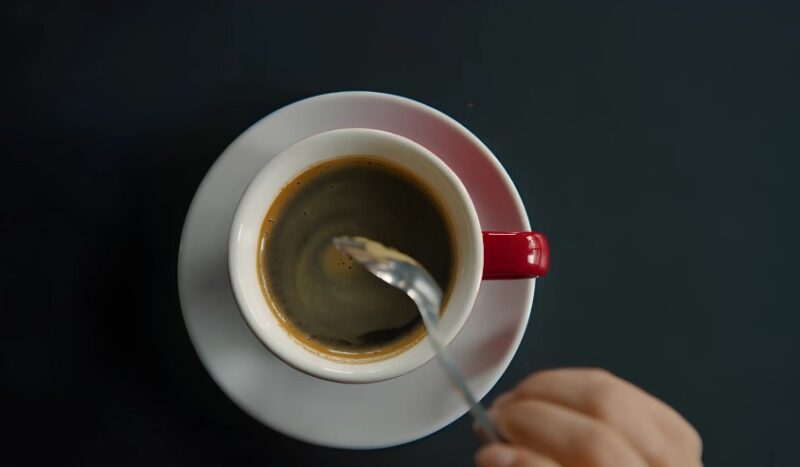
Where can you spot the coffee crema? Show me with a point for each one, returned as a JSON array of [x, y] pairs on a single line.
[[324, 299]]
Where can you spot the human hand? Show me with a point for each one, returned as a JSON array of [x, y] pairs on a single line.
[[587, 418]]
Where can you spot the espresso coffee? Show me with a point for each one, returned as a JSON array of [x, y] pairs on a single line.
[[324, 299]]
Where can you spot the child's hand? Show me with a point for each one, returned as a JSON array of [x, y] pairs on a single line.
[[587, 418]]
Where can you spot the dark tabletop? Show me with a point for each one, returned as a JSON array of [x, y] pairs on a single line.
[[657, 145]]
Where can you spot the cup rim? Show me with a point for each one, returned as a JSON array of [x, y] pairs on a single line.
[[329, 369]]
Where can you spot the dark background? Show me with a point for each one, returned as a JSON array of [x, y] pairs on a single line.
[[656, 145]]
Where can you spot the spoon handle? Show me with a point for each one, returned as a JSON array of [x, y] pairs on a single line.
[[431, 320]]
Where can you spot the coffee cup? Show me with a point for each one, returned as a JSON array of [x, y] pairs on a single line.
[[479, 255]]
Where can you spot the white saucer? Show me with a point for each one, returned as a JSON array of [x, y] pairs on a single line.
[[333, 414]]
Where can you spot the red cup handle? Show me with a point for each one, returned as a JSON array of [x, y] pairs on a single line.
[[515, 255]]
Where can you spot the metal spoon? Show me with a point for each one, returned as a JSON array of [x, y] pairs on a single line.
[[403, 272]]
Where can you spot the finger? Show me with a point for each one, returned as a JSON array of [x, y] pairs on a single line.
[[502, 455], [564, 435], [662, 436]]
